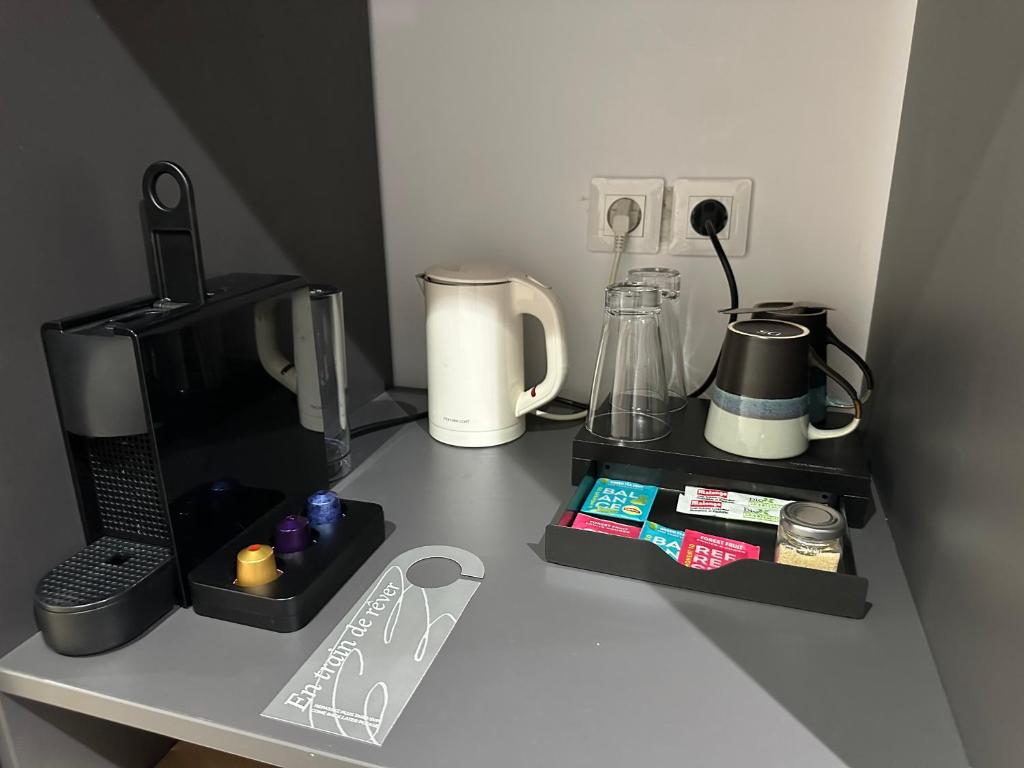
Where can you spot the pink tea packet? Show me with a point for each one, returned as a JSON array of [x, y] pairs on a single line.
[[588, 523]]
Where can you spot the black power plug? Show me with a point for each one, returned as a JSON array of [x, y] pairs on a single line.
[[709, 211], [709, 217]]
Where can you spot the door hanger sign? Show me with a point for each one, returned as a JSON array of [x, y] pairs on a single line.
[[359, 680]]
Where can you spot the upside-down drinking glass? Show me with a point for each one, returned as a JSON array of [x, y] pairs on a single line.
[[668, 282], [629, 397]]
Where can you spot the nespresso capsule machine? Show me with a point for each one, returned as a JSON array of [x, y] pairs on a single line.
[[178, 437]]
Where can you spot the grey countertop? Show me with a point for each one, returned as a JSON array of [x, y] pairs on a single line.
[[548, 665]]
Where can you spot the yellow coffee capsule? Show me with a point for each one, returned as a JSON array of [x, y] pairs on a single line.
[[255, 565]]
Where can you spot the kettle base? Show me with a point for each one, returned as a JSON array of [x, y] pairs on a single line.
[[476, 438]]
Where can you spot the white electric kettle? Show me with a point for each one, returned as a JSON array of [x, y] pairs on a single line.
[[475, 388]]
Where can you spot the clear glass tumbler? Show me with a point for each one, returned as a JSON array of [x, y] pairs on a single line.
[[668, 282], [629, 397]]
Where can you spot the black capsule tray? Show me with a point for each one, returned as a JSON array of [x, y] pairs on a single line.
[[308, 579], [763, 580]]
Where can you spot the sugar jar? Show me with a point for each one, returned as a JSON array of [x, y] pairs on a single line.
[[810, 536]]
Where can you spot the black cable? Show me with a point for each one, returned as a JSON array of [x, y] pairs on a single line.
[[376, 426], [572, 403], [734, 297]]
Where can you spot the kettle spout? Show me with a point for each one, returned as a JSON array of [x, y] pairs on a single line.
[[422, 279]]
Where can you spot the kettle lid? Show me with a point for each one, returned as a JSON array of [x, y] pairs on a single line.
[[472, 273]]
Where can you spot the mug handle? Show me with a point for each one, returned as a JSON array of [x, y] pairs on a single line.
[[869, 377], [813, 433]]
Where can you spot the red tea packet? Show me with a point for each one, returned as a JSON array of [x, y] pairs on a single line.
[[706, 552]]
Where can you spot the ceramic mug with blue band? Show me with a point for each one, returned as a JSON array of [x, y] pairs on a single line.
[[814, 317], [760, 402]]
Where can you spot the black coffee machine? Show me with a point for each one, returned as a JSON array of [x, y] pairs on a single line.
[[177, 437]]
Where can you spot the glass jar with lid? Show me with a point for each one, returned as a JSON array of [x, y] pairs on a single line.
[[810, 536]]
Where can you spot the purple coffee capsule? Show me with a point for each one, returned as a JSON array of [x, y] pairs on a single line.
[[292, 534], [323, 507]]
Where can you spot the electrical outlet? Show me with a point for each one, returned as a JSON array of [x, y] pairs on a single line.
[[606, 205], [734, 194], [649, 194]]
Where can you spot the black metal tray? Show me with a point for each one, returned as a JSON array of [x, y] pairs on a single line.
[[764, 581], [834, 471], [308, 579]]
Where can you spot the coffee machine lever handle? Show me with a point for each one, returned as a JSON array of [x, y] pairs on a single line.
[[172, 237]]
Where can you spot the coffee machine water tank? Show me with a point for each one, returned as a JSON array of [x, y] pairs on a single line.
[[475, 380], [316, 371]]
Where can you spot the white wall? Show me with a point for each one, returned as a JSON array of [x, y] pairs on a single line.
[[493, 116]]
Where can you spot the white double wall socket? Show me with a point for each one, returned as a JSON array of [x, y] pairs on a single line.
[[734, 194], [649, 194]]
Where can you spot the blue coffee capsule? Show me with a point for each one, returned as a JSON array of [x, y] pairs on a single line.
[[323, 507], [223, 486], [221, 495]]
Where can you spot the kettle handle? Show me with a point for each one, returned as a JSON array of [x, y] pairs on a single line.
[[273, 360], [531, 297], [813, 433]]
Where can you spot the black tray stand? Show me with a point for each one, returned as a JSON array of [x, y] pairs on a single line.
[[834, 472]]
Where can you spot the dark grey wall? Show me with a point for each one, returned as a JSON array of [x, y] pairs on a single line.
[[269, 108], [948, 419]]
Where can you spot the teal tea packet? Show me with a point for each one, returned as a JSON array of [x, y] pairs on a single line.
[[669, 539], [621, 499]]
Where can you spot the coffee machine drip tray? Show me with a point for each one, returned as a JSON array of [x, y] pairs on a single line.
[[104, 595]]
